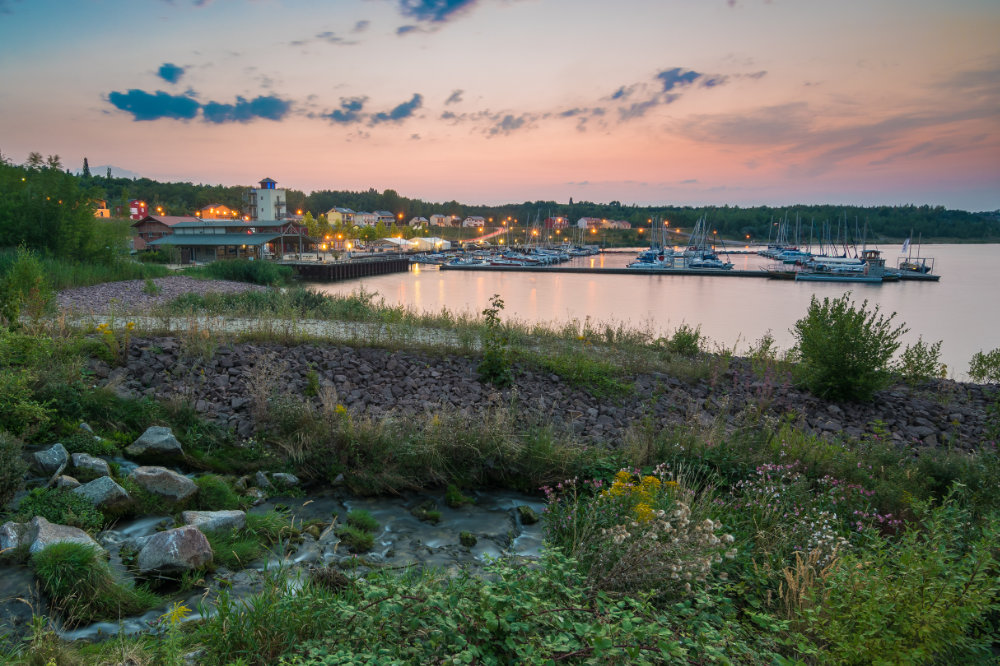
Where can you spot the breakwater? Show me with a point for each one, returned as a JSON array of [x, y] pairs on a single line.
[[349, 270]]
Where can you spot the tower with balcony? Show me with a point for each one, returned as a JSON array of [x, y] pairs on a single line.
[[266, 202]]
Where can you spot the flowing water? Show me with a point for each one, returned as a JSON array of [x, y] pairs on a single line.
[[962, 310]]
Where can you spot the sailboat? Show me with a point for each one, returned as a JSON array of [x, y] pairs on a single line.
[[915, 268]]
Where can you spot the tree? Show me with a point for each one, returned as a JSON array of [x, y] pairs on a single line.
[[86, 168], [380, 230], [844, 351]]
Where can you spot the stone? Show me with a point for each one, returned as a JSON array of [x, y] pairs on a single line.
[[175, 551], [39, 533], [104, 493], [164, 483], [284, 479], [91, 464], [66, 481], [211, 521], [262, 481], [45, 534], [527, 515], [52, 459], [158, 442]]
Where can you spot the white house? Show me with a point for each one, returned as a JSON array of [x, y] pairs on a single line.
[[418, 222], [474, 221], [385, 217], [439, 220], [365, 219]]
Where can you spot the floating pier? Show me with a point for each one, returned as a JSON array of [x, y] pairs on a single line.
[[609, 271]]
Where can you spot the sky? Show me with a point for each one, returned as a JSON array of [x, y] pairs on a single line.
[[649, 102]]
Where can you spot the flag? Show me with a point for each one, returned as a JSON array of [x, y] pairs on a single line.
[[906, 246]]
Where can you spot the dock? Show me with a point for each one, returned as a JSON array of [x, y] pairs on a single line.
[[557, 270], [318, 271]]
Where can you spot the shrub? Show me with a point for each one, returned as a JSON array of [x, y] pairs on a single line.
[[985, 368], [215, 494], [60, 506], [920, 362], [21, 413], [243, 270], [844, 351], [362, 520], [85, 442], [923, 600], [356, 540], [495, 367], [24, 286], [150, 288], [685, 341], [81, 585], [12, 468]]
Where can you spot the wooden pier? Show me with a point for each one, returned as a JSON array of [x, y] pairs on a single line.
[[714, 272], [349, 270]]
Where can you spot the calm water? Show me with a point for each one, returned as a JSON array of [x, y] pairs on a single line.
[[962, 310]]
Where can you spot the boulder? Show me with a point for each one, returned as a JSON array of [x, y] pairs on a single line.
[[173, 551], [284, 480], [164, 483], [66, 481], [52, 459], [104, 493], [262, 481], [91, 464], [156, 442], [39, 533], [210, 521]]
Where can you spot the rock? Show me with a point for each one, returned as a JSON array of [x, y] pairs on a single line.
[[210, 521], [91, 464], [257, 495], [527, 515], [52, 459], [262, 481], [86, 428], [284, 479], [39, 533], [468, 539], [104, 493], [65, 481], [156, 442], [164, 483], [173, 551]]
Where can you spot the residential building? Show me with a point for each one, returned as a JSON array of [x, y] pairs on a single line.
[[101, 209], [418, 222], [340, 216], [365, 219], [266, 202], [385, 217], [556, 222], [474, 221], [439, 220]]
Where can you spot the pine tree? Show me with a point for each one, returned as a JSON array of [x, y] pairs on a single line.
[[86, 168]]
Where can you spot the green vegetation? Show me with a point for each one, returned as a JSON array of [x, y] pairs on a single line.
[[454, 498], [82, 588], [362, 520], [495, 367], [244, 270], [61, 506], [12, 467], [845, 351], [920, 362], [215, 494], [985, 367]]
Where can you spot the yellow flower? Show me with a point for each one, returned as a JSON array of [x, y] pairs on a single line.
[[643, 512], [176, 613], [130, 326]]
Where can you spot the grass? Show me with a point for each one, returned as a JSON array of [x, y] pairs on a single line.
[[65, 274]]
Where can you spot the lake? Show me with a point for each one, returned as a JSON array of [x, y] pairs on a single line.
[[962, 310]]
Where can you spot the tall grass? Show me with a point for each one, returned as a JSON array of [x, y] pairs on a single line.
[[244, 270], [66, 274]]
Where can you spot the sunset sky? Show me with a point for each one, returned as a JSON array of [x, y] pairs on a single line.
[[738, 102]]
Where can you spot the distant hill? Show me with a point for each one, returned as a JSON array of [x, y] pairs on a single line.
[[116, 172]]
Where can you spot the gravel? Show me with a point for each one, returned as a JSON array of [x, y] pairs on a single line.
[[131, 294]]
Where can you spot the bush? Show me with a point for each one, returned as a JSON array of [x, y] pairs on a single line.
[[985, 368], [12, 468], [686, 341], [844, 351], [60, 506], [215, 494], [495, 367], [362, 520], [21, 413], [920, 362], [80, 584], [926, 599], [85, 442], [243, 270], [24, 286]]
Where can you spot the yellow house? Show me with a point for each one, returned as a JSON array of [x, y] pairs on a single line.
[[216, 211]]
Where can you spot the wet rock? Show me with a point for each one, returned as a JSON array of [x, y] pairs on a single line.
[[65, 481], [52, 459], [262, 481], [164, 483], [39, 533], [210, 521], [90, 463], [104, 493], [156, 442], [468, 539], [527, 515], [284, 479], [175, 551]]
